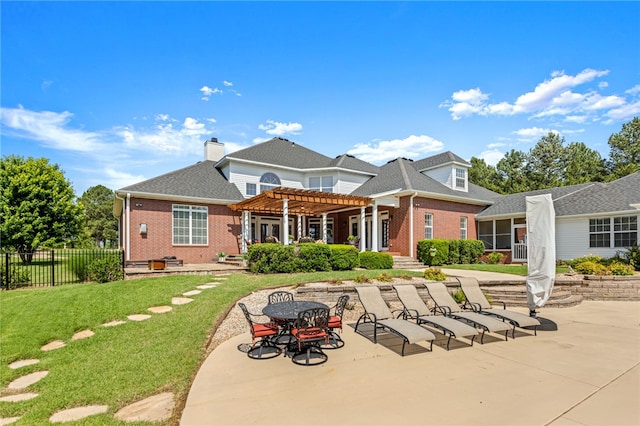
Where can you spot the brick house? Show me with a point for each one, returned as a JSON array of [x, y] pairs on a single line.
[[281, 189], [223, 203]]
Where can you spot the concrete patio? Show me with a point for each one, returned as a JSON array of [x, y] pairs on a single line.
[[583, 368]]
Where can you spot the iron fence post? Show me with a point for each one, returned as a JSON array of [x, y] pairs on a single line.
[[6, 270], [53, 268]]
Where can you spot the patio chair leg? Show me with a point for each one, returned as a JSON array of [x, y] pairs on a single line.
[[448, 341]]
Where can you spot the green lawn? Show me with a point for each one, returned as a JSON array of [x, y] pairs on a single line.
[[123, 364], [503, 269]]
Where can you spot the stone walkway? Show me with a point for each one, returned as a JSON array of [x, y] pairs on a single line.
[[154, 408]]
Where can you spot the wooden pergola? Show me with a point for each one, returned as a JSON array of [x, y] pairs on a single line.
[[300, 202]]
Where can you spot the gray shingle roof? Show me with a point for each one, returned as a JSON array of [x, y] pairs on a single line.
[[282, 152], [400, 174], [439, 160], [350, 162], [201, 180], [572, 200]]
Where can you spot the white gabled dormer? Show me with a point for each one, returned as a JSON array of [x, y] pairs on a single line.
[[446, 168], [460, 178]]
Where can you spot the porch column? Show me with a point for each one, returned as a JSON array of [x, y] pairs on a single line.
[[363, 243], [324, 226], [285, 221], [299, 227], [246, 229], [374, 227]]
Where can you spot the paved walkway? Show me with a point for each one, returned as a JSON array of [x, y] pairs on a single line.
[[582, 369]]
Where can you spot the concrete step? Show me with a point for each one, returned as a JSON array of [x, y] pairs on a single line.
[[406, 262], [517, 296]]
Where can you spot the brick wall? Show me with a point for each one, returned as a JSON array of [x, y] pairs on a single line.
[[224, 230]]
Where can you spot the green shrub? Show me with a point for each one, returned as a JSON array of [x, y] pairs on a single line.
[[441, 254], [314, 257], [619, 268], [454, 251], [495, 257], [344, 257], [18, 276], [384, 277], [632, 256], [362, 279], [105, 269], [590, 268], [79, 263], [375, 260], [470, 251], [434, 274], [589, 258], [459, 296]]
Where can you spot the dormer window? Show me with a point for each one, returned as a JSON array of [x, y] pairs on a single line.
[[460, 181], [269, 181], [321, 183]]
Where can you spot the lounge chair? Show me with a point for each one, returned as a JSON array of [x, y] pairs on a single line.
[[415, 308], [377, 312], [448, 306], [479, 303]]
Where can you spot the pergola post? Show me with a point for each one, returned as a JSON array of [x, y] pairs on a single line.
[[299, 227], [363, 234], [285, 221], [246, 229], [324, 227], [374, 227]]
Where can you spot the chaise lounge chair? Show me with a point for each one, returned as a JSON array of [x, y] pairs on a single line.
[[448, 307], [377, 312], [415, 308], [479, 303]]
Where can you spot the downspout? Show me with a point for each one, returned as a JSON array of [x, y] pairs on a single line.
[[411, 224], [127, 238], [120, 222]]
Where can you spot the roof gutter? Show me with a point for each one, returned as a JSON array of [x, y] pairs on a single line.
[[411, 224]]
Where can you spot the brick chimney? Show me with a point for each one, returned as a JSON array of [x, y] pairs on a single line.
[[213, 150]]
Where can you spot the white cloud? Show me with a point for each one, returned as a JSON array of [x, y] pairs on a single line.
[[207, 92], [556, 96], [491, 156], [634, 90], [50, 128], [496, 145], [260, 140], [111, 153], [379, 152], [277, 128], [227, 83], [533, 133], [623, 113]]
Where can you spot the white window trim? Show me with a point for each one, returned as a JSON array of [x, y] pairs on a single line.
[[464, 225], [190, 209], [430, 227]]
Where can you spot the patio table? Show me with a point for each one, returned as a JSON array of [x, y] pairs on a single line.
[[288, 312]]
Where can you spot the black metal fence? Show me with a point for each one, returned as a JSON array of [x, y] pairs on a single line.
[[45, 268]]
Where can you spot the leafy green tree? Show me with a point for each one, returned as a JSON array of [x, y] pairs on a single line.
[[624, 156], [38, 205], [484, 175], [100, 223], [547, 162], [583, 165], [512, 170]]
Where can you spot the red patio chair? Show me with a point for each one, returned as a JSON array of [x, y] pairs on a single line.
[[335, 323], [263, 348], [309, 330]]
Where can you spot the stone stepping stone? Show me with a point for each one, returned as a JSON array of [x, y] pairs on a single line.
[[160, 309], [192, 293], [153, 409], [23, 363], [28, 380], [207, 286], [82, 335], [219, 278], [56, 344], [139, 317], [9, 420], [77, 413], [18, 397], [113, 323], [181, 300]]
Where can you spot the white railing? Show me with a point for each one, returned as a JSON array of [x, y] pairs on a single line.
[[519, 253]]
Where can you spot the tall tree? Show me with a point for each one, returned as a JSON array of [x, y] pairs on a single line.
[[100, 223], [624, 156], [485, 175], [547, 162], [583, 165], [512, 170], [38, 206]]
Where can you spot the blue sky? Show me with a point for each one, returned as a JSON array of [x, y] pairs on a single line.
[[119, 92]]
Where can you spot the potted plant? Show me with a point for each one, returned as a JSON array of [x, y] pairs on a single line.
[[222, 256], [351, 239]]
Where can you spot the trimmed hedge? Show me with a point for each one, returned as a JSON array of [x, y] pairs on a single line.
[[344, 257], [375, 260], [449, 251]]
